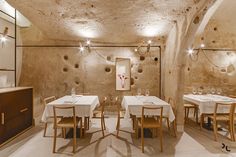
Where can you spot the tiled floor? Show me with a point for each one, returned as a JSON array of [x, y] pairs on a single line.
[[191, 143]]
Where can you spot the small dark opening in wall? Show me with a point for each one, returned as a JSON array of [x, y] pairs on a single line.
[[107, 69], [65, 69], [66, 57], [76, 65]]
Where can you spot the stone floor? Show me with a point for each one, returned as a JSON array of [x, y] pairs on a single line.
[[191, 143]]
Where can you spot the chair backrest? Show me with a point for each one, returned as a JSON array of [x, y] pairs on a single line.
[[157, 110], [66, 108], [172, 103], [225, 108], [103, 104], [48, 100]]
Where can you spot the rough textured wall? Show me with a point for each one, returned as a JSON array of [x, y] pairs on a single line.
[[54, 71], [180, 38], [215, 68], [212, 69]]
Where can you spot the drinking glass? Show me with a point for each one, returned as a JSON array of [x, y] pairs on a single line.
[[139, 91], [73, 93], [194, 91], [199, 91], [219, 91], [213, 90], [147, 92]]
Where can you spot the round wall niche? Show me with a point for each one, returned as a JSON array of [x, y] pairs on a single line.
[[76, 65], [140, 70], [107, 69], [76, 80], [142, 58], [109, 58], [132, 81], [66, 57], [65, 69]]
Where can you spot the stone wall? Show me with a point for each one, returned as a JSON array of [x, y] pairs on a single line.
[[55, 71], [212, 69]]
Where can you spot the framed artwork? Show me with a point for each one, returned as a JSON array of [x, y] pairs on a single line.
[[123, 74]]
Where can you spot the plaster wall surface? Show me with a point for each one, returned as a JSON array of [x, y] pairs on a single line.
[[55, 71], [215, 68]]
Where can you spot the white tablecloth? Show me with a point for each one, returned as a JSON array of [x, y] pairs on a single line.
[[84, 106], [206, 103], [133, 105]]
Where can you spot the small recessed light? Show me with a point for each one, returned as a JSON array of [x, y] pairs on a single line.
[[81, 48], [88, 42], [190, 51], [202, 45], [149, 41], [3, 39]]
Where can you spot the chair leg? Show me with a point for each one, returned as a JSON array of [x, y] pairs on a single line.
[[142, 140], [88, 119], [118, 127], [187, 115], [136, 128], [104, 123], [201, 121], [168, 123], [161, 143], [215, 129], [196, 111], [174, 128], [74, 139], [54, 140], [81, 128], [45, 129], [102, 126]]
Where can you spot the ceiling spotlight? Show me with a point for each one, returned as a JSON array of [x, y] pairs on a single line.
[[135, 50], [88, 42], [190, 51], [202, 45], [149, 41]]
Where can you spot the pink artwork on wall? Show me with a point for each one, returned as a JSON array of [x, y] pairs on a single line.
[[123, 74], [122, 79]]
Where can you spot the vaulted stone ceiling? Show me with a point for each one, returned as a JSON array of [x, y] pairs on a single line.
[[114, 21]]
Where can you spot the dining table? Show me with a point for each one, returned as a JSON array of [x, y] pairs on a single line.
[[84, 106], [133, 106], [206, 103]]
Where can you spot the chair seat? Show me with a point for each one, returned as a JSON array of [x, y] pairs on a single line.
[[68, 122], [149, 122], [189, 106]]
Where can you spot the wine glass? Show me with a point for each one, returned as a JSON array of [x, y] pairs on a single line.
[[213, 90], [194, 91], [73, 93], [199, 91], [219, 91], [139, 91], [147, 92]]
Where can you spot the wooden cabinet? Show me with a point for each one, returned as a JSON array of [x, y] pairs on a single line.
[[16, 111]]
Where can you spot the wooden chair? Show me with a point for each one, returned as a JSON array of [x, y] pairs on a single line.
[[120, 113], [187, 108], [151, 122], [103, 125], [228, 117], [66, 122], [86, 119], [45, 102], [172, 103]]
